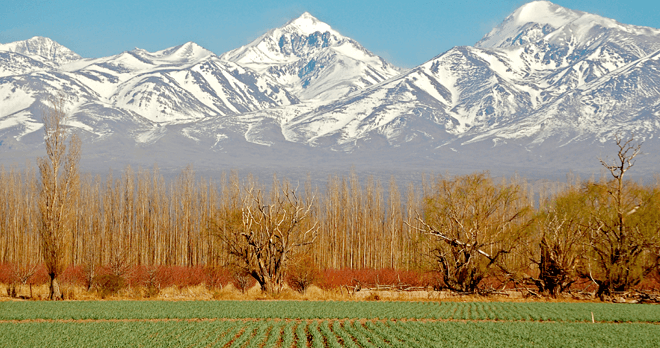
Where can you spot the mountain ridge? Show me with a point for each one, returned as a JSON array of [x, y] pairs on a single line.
[[545, 83]]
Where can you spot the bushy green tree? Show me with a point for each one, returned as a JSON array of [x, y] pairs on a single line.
[[557, 241], [477, 223]]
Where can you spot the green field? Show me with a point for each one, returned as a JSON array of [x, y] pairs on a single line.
[[508, 311], [326, 324]]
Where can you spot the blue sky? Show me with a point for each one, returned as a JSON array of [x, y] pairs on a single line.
[[406, 33]]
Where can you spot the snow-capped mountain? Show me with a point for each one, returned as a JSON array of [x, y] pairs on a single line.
[[312, 60], [35, 54], [42, 48], [177, 85], [528, 24], [544, 91], [531, 78], [439, 100]]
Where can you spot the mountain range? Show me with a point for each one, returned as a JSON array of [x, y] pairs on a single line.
[[543, 93]]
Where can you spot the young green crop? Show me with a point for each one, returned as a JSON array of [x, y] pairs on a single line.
[[317, 337], [351, 329], [245, 336], [274, 334], [384, 332], [406, 335], [260, 335], [346, 338], [228, 335], [398, 334], [301, 335], [95, 310], [370, 335], [287, 334], [330, 336]]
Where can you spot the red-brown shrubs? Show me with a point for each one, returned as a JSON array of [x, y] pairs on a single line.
[[74, 275], [217, 277], [179, 276], [9, 274], [6, 273], [335, 278], [39, 277]]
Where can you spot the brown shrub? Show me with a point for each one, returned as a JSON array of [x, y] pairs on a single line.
[[242, 281], [109, 284], [302, 273]]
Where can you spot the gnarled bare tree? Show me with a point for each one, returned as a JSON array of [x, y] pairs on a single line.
[[57, 194], [620, 235], [269, 232]]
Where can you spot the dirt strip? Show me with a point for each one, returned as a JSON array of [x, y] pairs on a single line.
[[361, 320]]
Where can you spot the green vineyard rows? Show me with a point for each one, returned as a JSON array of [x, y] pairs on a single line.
[[506, 311], [325, 333]]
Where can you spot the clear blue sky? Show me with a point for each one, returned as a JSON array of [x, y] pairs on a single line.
[[406, 33]]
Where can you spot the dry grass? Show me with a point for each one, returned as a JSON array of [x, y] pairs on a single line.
[[229, 292]]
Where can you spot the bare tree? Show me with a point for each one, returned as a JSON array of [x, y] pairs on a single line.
[[21, 274], [269, 232], [59, 187], [477, 223], [620, 233], [18, 239]]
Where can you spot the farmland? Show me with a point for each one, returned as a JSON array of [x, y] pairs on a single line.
[[502, 311], [326, 324]]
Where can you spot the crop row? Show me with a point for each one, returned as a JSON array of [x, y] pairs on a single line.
[[325, 333], [509, 311]]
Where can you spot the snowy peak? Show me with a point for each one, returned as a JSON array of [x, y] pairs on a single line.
[[300, 37], [546, 35], [189, 52], [546, 71], [544, 12], [42, 47], [312, 60], [307, 24], [529, 23], [304, 36], [589, 27]]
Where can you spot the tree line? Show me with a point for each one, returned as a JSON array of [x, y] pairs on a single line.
[[468, 227]]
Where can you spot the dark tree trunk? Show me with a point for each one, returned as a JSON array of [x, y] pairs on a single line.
[[551, 272]]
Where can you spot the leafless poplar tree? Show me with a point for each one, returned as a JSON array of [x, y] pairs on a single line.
[[18, 240], [59, 187]]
